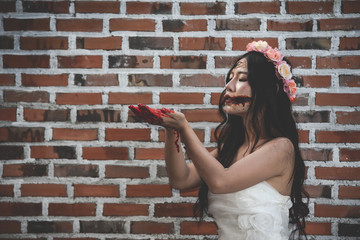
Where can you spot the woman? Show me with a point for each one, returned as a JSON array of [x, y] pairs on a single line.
[[252, 183]]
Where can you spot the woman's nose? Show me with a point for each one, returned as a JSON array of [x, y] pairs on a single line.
[[230, 86]]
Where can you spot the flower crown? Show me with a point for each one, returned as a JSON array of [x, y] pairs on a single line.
[[283, 71]]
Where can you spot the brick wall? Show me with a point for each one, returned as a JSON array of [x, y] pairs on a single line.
[[76, 165]]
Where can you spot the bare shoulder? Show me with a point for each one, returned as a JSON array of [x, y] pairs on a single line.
[[282, 147], [282, 143]]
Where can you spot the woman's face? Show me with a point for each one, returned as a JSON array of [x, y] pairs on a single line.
[[238, 91]]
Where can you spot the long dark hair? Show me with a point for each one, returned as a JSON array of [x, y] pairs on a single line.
[[268, 98]]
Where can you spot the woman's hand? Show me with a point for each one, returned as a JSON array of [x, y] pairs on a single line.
[[164, 117]]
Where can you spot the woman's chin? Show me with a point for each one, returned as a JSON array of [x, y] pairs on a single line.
[[236, 109]]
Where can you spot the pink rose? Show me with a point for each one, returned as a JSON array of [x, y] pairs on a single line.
[[284, 70], [274, 54]]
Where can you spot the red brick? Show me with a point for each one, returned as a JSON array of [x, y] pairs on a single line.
[[184, 25], [50, 152], [46, 6], [309, 7], [78, 98], [339, 211], [144, 25], [6, 42], [289, 25], [22, 96], [148, 8], [7, 190], [314, 154], [98, 115], [149, 153], [41, 115], [126, 61], [83, 190], [7, 79], [341, 24], [318, 228], [151, 43], [349, 81], [225, 62], [183, 62], [104, 43], [21, 134], [75, 134], [316, 81], [351, 6], [246, 24], [126, 209], [79, 25], [346, 62], [26, 61], [129, 98], [194, 228], [181, 98], [257, 7], [49, 227], [208, 43], [190, 192], [11, 152], [147, 227], [300, 62], [217, 8], [43, 190], [96, 80], [348, 117], [338, 136], [76, 238], [173, 210], [349, 154], [318, 191], [76, 170], [215, 97], [349, 43], [24, 170], [349, 192], [8, 114], [202, 115], [38, 24], [10, 227], [75, 209], [114, 134], [337, 99], [79, 61], [240, 43], [303, 136], [43, 43], [20, 209], [337, 173], [114, 171], [150, 80], [7, 6], [105, 153], [35, 80], [202, 80], [148, 190], [97, 7]]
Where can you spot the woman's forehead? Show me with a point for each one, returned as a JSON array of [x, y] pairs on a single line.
[[242, 63]]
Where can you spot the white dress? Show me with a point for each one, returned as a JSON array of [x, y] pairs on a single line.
[[259, 212]]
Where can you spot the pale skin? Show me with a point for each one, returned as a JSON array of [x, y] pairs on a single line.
[[272, 160]]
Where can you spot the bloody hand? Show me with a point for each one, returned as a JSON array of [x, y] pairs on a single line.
[[150, 115]]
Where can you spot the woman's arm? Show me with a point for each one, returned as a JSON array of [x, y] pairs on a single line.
[[181, 175], [271, 160]]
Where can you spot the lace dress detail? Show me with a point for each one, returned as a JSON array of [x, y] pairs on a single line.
[[259, 212]]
